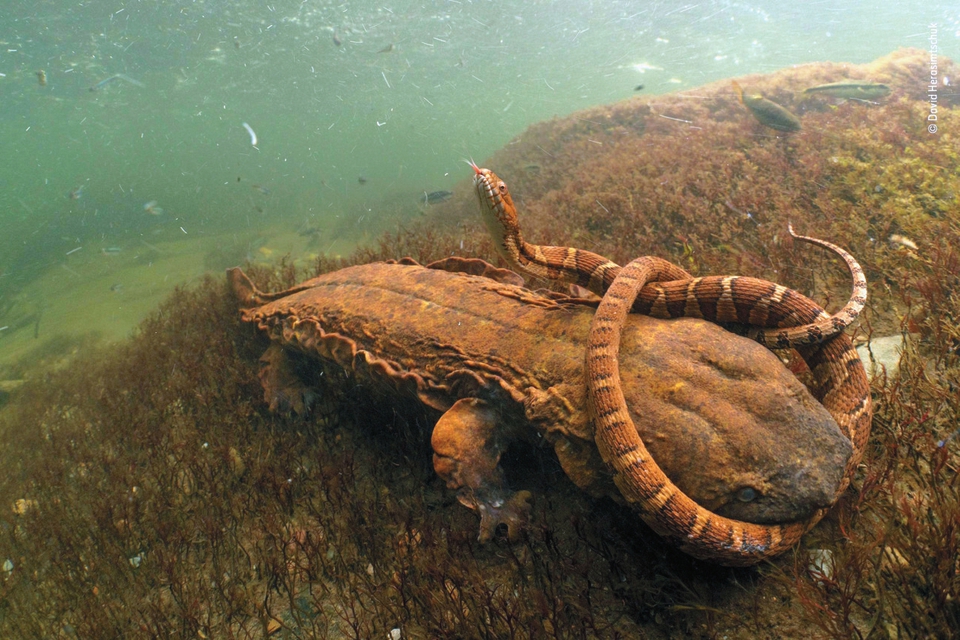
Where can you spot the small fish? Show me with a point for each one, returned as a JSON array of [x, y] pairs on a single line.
[[77, 193], [152, 208], [767, 112], [362, 180], [116, 288], [851, 89], [387, 49], [532, 168], [262, 189], [42, 77], [436, 197], [116, 76], [903, 241], [336, 40], [639, 87]]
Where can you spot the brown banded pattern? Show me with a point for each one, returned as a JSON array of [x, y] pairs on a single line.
[[781, 317], [842, 389], [775, 316]]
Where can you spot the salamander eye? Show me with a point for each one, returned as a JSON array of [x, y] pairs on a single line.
[[746, 495], [502, 187]]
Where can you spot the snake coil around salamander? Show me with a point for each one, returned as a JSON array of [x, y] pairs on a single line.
[[776, 316]]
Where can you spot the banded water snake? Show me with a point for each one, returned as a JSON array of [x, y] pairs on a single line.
[[774, 316]]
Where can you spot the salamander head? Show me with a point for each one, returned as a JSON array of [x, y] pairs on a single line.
[[730, 425]]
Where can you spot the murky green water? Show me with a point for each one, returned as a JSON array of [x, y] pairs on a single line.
[[110, 197]]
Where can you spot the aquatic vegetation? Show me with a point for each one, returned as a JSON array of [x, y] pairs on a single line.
[[148, 492], [155, 493]]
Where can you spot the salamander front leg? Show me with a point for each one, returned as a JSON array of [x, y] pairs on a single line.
[[467, 445]]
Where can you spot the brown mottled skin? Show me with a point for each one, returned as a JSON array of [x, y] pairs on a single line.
[[720, 412]]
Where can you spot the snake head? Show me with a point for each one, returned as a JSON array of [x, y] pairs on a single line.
[[498, 212], [493, 191]]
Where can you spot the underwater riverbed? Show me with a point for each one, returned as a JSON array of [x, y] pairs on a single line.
[[145, 465], [145, 488], [100, 294]]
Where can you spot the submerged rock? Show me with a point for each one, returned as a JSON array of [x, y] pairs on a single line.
[[882, 355]]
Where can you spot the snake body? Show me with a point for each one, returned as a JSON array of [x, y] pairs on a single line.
[[775, 316]]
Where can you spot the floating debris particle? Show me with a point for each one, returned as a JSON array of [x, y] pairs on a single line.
[[152, 208], [22, 506], [851, 89], [387, 49], [262, 189], [942, 443], [336, 41], [643, 67], [111, 251], [42, 77], [116, 76], [767, 112], [362, 180], [253, 134]]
